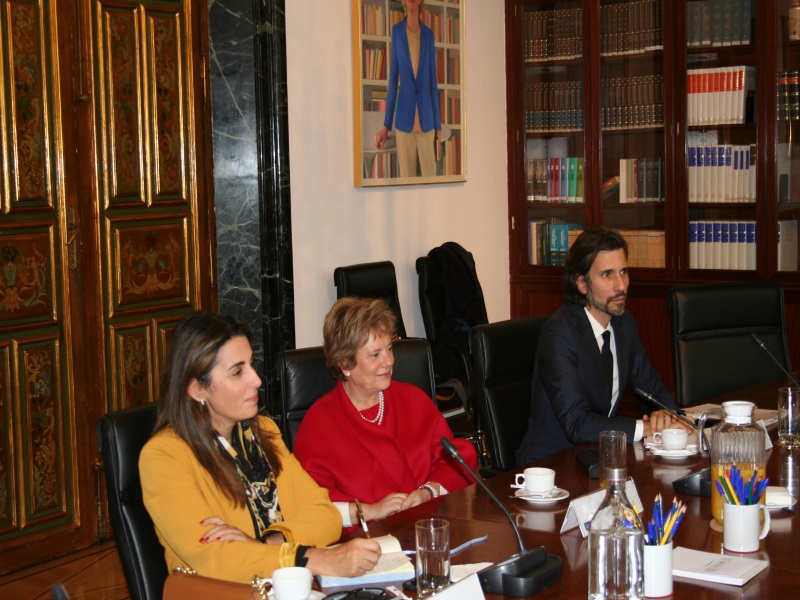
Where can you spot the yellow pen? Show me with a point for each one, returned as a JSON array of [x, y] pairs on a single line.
[[361, 518]]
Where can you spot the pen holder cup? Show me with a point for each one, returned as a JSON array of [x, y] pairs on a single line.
[[742, 529], [658, 571]]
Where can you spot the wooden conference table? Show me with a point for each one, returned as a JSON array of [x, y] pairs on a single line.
[[472, 513]]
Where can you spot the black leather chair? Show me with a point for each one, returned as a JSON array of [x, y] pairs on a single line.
[[371, 280], [121, 436], [304, 378], [503, 356], [711, 337]]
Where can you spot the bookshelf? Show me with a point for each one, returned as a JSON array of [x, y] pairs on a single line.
[[685, 115], [377, 17]]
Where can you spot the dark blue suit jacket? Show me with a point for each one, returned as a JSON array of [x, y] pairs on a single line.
[[570, 398], [420, 92]]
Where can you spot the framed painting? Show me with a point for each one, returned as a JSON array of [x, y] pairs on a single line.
[[408, 87]]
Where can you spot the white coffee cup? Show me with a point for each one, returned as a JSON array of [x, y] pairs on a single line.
[[672, 439], [536, 480], [742, 528], [291, 583]]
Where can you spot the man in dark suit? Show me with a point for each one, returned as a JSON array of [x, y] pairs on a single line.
[[576, 389]]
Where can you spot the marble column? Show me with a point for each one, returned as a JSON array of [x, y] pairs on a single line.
[[247, 64]]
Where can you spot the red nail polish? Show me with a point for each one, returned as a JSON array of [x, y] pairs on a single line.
[[202, 539], [219, 538]]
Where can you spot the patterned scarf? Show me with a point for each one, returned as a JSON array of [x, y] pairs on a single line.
[[257, 477]]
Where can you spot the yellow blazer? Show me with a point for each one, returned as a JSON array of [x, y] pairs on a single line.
[[179, 493]]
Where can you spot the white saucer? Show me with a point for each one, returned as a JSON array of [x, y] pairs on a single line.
[[674, 454], [315, 595], [556, 495]]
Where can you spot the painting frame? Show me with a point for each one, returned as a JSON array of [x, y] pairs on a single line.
[[372, 26]]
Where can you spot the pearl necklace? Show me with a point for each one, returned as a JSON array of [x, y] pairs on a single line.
[[379, 417]]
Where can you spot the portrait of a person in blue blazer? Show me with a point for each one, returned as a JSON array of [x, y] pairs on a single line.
[[412, 101]]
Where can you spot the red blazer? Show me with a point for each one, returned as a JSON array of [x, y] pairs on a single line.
[[356, 459]]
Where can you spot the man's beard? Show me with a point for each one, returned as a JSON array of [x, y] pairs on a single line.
[[606, 307]]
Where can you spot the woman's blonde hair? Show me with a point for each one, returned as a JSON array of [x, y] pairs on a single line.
[[348, 326]]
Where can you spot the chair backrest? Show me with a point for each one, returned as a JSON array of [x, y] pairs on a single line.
[[503, 357], [304, 378], [711, 337], [431, 296], [121, 436], [371, 280]]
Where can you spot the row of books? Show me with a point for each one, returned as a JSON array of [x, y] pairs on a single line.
[[722, 245], [450, 108], [641, 180], [550, 34], [453, 75], [555, 180], [788, 96], [787, 245], [554, 105], [374, 63], [382, 166], [631, 28], [375, 101], [722, 173], [720, 23], [450, 160], [373, 19], [629, 102], [446, 28], [548, 240], [719, 95]]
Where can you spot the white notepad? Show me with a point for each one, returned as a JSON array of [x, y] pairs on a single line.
[[393, 565], [720, 568]]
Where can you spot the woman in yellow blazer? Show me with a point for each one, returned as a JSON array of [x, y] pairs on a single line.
[[227, 498]]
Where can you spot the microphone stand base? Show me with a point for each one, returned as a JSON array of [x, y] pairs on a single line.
[[523, 574]]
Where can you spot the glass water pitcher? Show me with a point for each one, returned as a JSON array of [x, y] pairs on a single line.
[[736, 440]]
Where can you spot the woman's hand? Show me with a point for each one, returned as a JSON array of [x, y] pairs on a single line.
[[661, 419], [381, 137], [350, 559], [222, 532], [387, 506], [416, 497]]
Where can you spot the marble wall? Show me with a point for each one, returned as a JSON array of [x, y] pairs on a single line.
[[247, 65]]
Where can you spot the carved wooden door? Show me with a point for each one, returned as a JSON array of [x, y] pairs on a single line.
[[105, 241]]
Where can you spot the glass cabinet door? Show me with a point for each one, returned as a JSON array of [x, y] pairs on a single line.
[[632, 139], [787, 130], [721, 150], [553, 96]]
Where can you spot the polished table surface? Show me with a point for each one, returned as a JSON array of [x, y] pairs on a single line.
[[471, 513]]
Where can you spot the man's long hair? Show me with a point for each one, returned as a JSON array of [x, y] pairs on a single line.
[[581, 255]]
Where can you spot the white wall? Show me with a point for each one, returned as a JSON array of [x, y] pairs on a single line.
[[334, 223]]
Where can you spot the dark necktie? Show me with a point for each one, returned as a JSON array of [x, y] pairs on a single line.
[[608, 361]]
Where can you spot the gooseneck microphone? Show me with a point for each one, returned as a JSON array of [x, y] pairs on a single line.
[[523, 574], [453, 451], [775, 360], [653, 400]]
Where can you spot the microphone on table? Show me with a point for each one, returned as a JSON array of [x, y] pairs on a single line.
[[694, 484], [520, 575], [775, 360]]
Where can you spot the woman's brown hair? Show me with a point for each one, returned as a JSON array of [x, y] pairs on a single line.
[[192, 354], [348, 326]]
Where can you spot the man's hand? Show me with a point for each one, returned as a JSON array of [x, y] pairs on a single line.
[[661, 419]]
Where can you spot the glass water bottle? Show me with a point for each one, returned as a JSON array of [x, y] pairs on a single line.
[[616, 545]]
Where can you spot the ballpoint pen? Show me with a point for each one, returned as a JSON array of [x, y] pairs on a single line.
[[362, 519]]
